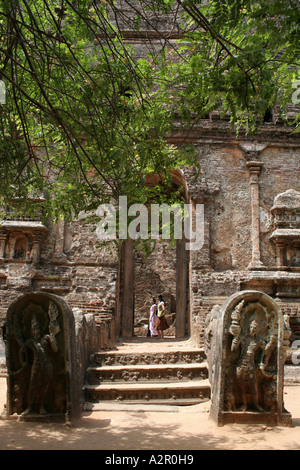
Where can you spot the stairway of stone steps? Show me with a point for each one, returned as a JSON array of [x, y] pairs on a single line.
[[152, 371]]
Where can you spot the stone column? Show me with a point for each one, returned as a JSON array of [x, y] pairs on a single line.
[[181, 287], [280, 251], [254, 170], [127, 307], [3, 237], [59, 255], [36, 248]]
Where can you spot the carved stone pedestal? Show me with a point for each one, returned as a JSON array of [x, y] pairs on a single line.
[[255, 417]]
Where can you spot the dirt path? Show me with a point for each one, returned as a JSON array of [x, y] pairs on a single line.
[[188, 428]]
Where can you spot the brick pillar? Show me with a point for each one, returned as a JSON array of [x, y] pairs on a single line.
[[280, 254], [181, 287], [36, 248], [127, 307], [3, 237], [59, 254], [254, 168]]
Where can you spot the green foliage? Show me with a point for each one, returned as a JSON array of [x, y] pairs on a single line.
[[82, 107], [86, 120], [237, 56]]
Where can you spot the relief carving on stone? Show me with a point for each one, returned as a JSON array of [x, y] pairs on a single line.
[[148, 359], [34, 363], [286, 234], [43, 383], [43, 379], [250, 381], [251, 336], [145, 375]]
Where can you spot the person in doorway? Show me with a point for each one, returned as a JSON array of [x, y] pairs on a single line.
[[153, 318], [161, 323]]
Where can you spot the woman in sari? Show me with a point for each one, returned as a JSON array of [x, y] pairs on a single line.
[[153, 318]]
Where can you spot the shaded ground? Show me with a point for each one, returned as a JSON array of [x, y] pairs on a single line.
[[188, 428], [177, 429]]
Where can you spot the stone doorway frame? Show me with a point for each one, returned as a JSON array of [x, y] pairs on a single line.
[[125, 294]]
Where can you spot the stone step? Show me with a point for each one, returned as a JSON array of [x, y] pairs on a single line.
[[146, 373], [162, 357], [183, 393], [136, 407]]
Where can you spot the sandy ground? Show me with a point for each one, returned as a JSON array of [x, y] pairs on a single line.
[[170, 429], [184, 428]]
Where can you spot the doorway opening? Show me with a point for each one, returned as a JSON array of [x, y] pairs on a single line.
[[165, 271]]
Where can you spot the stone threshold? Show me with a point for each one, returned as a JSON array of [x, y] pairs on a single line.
[[200, 365], [129, 407]]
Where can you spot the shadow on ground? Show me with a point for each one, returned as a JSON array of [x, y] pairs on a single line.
[[137, 431]]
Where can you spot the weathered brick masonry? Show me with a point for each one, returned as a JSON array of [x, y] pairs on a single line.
[[70, 264], [247, 244]]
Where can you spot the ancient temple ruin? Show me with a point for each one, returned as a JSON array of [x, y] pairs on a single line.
[[250, 191], [249, 187]]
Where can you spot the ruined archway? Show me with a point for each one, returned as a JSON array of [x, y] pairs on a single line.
[[165, 271]]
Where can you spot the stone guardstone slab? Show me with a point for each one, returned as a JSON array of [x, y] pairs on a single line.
[[42, 382], [249, 355]]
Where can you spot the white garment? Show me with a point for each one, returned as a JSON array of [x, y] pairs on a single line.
[[152, 320]]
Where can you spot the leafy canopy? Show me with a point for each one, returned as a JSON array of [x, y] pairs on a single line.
[[88, 115]]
